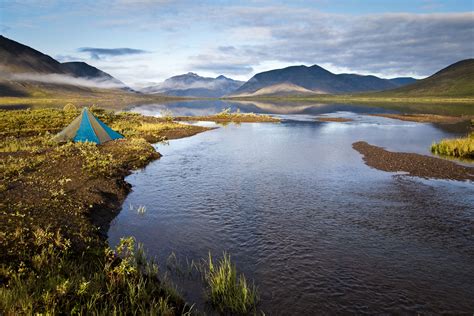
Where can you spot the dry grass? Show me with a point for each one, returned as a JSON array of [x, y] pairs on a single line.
[[457, 147]]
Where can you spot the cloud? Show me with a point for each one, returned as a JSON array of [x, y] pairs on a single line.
[[104, 83], [66, 58], [99, 53], [224, 68], [239, 38], [383, 44]]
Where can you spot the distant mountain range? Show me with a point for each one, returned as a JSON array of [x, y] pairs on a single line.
[[24, 69], [314, 80], [193, 85]]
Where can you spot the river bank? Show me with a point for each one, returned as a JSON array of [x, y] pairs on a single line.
[[57, 201], [414, 164], [428, 118]]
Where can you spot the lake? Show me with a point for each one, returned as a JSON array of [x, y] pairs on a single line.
[[303, 216]]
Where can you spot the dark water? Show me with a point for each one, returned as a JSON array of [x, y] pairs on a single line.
[[303, 216]]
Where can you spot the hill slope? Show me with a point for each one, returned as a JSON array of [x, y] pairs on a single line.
[[19, 58], [456, 80], [193, 85], [316, 79], [25, 71]]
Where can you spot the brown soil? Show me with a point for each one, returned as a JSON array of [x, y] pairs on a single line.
[[181, 133], [333, 119], [415, 164], [427, 118], [60, 194]]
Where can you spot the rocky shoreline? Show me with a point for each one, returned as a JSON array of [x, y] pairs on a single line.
[[414, 164]]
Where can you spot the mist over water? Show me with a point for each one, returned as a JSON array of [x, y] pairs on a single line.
[[302, 215]]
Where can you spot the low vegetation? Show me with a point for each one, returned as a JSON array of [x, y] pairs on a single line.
[[227, 116], [108, 98], [56, 202], [229, 292], [52, 280], [457, 147]]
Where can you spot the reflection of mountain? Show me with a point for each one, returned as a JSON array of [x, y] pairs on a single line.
[[207, 107], [275, 108], [193, 85]]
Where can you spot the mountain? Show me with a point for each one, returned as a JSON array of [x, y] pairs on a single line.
[[193, 85], [317, 80], [456, 80], [18, 58], [24, 70], [86, 71], [402, 81]]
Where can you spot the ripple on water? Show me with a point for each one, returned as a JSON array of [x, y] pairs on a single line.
[[303, 216]]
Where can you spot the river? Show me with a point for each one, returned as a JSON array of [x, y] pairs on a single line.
[[303, 216]]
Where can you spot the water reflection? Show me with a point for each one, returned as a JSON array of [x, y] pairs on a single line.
[[205, 107]]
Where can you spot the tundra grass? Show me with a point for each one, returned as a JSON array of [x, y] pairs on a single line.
[[56, 201], [104, 98], [118, 281], [229, 292], [457, 147]]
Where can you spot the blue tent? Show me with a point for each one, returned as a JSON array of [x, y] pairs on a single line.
[[87, 128]]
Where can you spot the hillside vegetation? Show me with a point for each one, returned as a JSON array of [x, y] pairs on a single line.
[[456, 80]]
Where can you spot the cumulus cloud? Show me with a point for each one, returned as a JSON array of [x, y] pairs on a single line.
[[239, 38], [384, 44], [99, 53]]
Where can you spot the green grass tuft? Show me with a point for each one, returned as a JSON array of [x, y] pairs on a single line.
[[457, 147], [228, 291], [52, 281]]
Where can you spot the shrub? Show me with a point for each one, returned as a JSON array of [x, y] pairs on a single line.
[[69, 107], [167, 115]]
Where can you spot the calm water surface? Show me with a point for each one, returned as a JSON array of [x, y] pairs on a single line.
[[303, 216]]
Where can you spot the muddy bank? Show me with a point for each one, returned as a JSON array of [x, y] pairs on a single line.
[[415, 164], [427, 118], [231, 118], [333, 119]]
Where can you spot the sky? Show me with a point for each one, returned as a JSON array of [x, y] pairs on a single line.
[[143, 42]]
